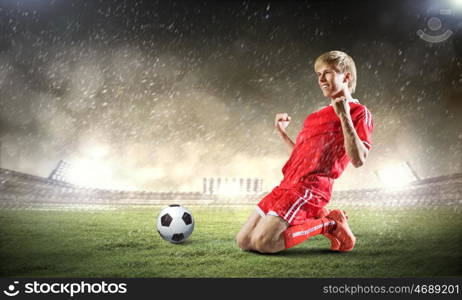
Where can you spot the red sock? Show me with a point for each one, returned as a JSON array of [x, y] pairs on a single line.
[[294, 235]]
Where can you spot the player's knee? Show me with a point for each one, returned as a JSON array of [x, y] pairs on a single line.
[[243, 241], [262, 243]]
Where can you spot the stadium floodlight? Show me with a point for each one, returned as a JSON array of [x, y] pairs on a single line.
[[456, 3], [96, 151], [90, 173], [60, 172], [396, 175]]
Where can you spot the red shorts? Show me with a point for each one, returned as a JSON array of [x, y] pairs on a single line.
[[294, 205]]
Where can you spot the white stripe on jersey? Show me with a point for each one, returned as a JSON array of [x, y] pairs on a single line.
[[292, 207], [301, 204], [299, 201], [366, 115]]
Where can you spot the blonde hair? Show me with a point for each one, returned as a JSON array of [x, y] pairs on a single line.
[[342, 61]]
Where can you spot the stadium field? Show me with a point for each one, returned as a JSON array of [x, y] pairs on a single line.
[[122, 241]]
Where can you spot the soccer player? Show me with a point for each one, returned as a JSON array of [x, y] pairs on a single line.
[[330, 138]]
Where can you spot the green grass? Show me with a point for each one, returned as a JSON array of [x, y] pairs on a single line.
[[124, 243]]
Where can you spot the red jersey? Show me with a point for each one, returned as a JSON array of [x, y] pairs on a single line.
[[319, 155]]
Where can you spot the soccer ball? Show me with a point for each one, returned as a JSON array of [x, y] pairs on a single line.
[[175, 224]]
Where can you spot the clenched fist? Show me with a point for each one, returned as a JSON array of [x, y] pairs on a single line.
[[281, 122], [341, 106]]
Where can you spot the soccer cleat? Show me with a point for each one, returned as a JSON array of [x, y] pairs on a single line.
[[334, 243], [341, 231]]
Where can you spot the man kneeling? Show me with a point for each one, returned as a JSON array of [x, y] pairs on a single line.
[[330, 138]]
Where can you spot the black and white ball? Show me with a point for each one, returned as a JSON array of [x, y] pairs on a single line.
[[175, 224]]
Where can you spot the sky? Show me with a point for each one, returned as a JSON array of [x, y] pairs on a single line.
[[156, 95]]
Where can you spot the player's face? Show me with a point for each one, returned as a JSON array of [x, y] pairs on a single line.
[[330, 80]]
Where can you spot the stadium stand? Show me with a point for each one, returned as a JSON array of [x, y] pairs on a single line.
[[22, 189]]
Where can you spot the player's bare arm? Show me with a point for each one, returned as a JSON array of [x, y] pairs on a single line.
[[281, 122], [354, 147]]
